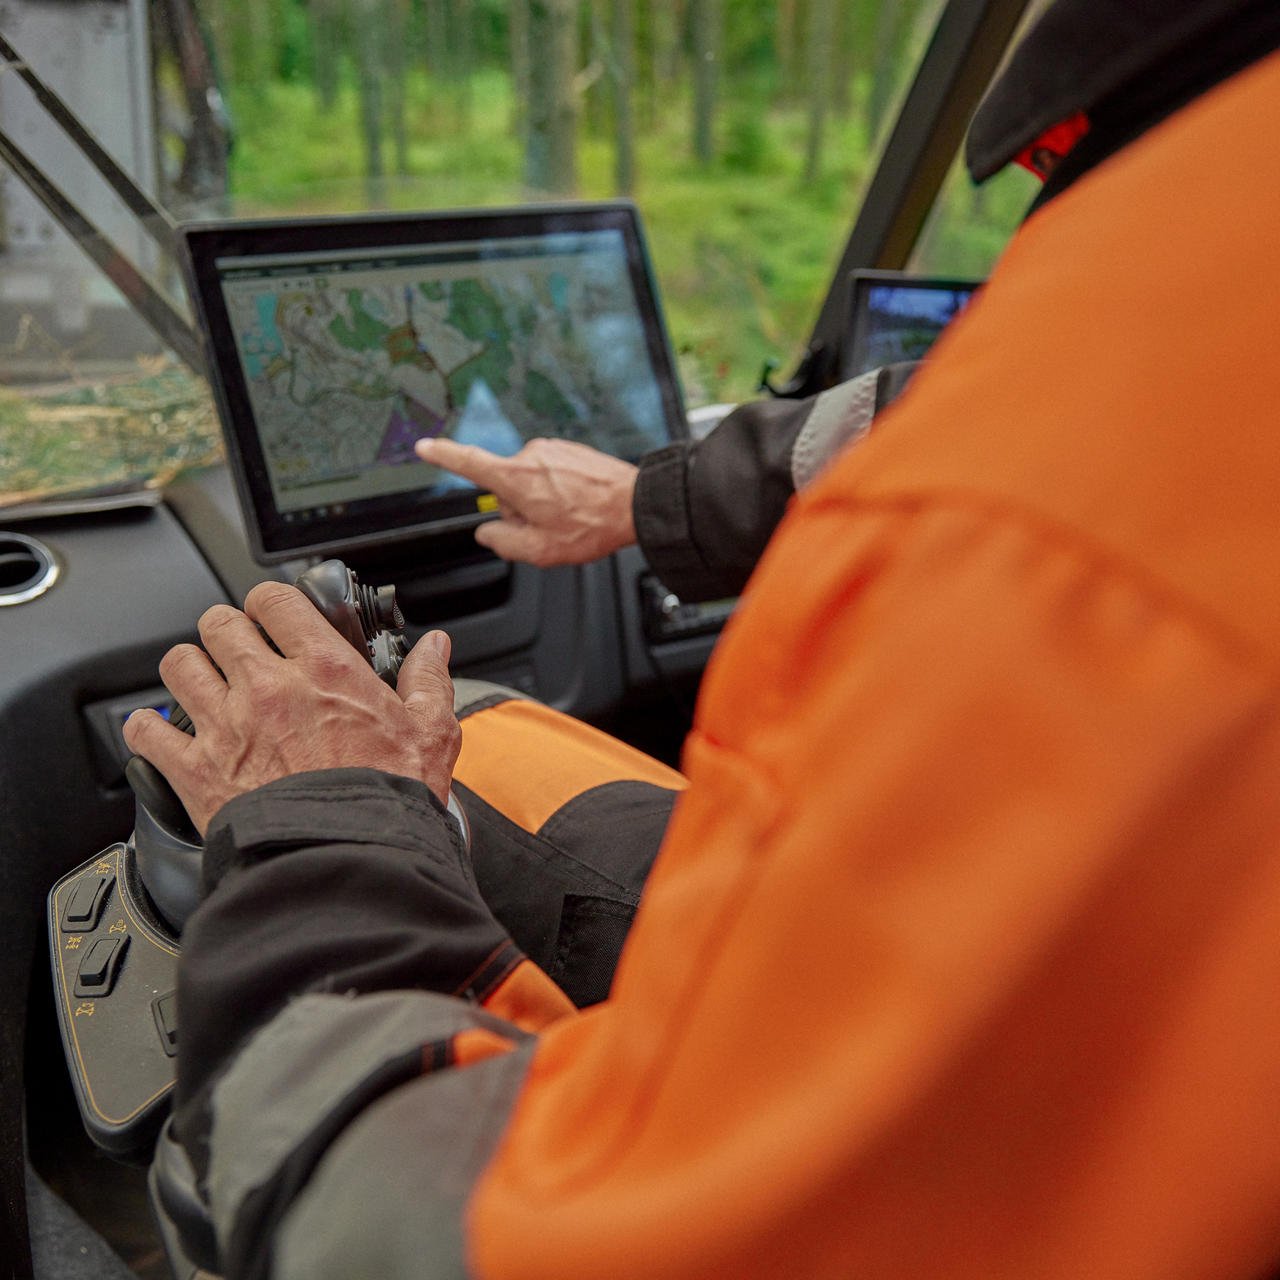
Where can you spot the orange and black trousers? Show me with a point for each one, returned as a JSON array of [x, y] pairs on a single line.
[[565, 822]]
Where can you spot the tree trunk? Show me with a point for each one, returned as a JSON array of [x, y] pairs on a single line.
[[326, 43], [668, 20], [241, 33], [550, 157], [846, 62], [258, 54], [707, 24], [894, 25], [624, 74], [367, 21], [437, 43], [398, 16], [205, 145], [818, 64], [463, 56], [275, 13], [663, 21], [518, 27], [785, 44], [598, 73]]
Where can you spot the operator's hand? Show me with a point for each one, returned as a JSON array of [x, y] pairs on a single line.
[[560, 502], [319, 706]]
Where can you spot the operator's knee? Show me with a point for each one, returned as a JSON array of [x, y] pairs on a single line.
[[528, 761], [474, 695], [565, 823]]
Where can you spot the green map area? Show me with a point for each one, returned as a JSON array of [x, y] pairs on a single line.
[[346, 372]]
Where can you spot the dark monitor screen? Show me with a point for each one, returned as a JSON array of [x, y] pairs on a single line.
[[898, 317], [335, 344]]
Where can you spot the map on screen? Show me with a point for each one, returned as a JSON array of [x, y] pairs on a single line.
[[350, 359]]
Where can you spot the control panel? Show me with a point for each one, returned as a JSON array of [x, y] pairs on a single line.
[[114, 974]]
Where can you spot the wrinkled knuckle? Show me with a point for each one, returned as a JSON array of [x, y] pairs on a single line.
[[432, 700], [138, 731], [328, 664], [217, 618], [271, 595], [267, 691], [179, 659]]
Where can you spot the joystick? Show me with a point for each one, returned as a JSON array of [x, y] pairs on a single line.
[[165, 845], [115, 921]]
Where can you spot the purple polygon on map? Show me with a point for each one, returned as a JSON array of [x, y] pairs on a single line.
[[405, 425]]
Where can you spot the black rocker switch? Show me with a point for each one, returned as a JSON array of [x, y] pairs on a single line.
[[85, 904], [165, 1009], [97, 973]]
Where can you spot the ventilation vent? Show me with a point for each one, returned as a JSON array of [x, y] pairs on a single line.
[[27, 568]]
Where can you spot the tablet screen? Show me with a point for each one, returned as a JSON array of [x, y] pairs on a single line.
[[337, 345], [897, 317]]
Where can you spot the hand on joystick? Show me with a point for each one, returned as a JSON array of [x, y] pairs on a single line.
[[260, 715]]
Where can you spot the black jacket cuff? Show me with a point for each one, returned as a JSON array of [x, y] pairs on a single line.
[[347, 806]]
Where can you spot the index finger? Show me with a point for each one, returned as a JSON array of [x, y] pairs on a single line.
[[488, 470], [294, 624]]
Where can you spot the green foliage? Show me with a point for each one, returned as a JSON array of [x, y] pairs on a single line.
[[750, 46], [295, 58], [489, 28], [743, 247], [748, 142], [971, 225], [743, 250]]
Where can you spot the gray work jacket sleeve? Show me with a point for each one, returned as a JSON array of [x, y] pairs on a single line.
[[704, 510]]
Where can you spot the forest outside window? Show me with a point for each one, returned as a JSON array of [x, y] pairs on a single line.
[[743, 129]]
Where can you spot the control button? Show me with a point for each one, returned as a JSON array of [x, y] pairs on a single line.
[[97, 973], [85, 904], [165, 1009]]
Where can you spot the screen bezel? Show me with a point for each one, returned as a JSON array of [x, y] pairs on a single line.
[[860, 284], [391, 518]]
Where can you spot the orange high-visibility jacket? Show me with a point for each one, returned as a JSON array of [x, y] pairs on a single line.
[[962, 954]]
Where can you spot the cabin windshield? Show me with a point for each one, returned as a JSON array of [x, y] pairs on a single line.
[[745, 131]]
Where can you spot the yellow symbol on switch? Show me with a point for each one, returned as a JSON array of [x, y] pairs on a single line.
[[118, 927], [486, 503], [73, 943], [86, 1008]]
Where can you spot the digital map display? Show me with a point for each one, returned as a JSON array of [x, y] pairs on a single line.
[[349, 359]]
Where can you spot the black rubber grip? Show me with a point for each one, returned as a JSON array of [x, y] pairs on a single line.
[[152, 788], [159, 799]]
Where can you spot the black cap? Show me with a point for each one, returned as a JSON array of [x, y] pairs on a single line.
[[1083, 54]]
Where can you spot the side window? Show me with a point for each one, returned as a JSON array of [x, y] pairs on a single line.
[[969, 226]]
